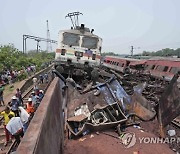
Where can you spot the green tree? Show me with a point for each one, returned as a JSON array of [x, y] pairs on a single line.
[[12, 58]]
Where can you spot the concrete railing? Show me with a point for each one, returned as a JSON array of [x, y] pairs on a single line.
[[45, 134]]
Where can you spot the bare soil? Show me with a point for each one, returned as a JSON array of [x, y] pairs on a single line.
[[103, 144]]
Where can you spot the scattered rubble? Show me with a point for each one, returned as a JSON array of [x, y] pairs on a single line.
[[117, 101]]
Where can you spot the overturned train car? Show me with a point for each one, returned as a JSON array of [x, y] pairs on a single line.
[[164, 68]]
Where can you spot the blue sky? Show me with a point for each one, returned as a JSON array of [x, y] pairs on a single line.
[[148, 24]]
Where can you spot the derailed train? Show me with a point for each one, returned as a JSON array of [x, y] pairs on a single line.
[[159, 67], [78, 49], [79, 52]]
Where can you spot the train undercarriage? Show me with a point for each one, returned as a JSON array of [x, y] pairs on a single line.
[[86, 71]]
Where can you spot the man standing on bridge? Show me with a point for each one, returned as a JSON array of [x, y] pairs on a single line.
[[41, 78], [30, 108], [15, 127], [46, 77], [1, 95], [19, 96], [24, 117], [14, 105]]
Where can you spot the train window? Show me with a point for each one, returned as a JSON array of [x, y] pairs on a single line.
[[117, 63], [93, 56], [108, 61], [160, 68], [122, 64], [153, 67], [71, 39], [104, 60], [63, 51], [128, 62], [89, 42], [165, 69]]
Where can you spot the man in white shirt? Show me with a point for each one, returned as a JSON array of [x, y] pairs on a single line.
[[15, 127], [34, 81]]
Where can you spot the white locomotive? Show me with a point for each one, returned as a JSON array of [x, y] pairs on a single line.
[[77, 47]]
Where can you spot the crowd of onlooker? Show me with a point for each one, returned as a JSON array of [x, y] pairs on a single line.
[[10, 76], [30, 70], [19, 112]]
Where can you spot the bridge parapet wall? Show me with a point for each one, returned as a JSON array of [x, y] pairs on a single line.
[[45, 134]]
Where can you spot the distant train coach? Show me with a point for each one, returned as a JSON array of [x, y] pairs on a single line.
[[162, 68], [119, 63]]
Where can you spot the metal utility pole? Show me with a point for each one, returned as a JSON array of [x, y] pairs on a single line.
[[49, 45], [132, 48], [38, 39], [74, 21], [37, 50]]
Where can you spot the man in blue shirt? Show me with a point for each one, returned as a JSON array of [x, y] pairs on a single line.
[[14, 105]]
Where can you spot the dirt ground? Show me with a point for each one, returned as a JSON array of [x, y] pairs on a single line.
[[103, 144], [152, 126]]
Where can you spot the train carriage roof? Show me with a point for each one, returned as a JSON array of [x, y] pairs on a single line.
[[76, 31], [165, 58], [121, 58], [171, 62]]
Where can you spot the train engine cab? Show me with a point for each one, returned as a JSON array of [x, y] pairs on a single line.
[[78, 48]]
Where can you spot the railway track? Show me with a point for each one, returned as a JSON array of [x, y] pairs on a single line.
[[12, 146]]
